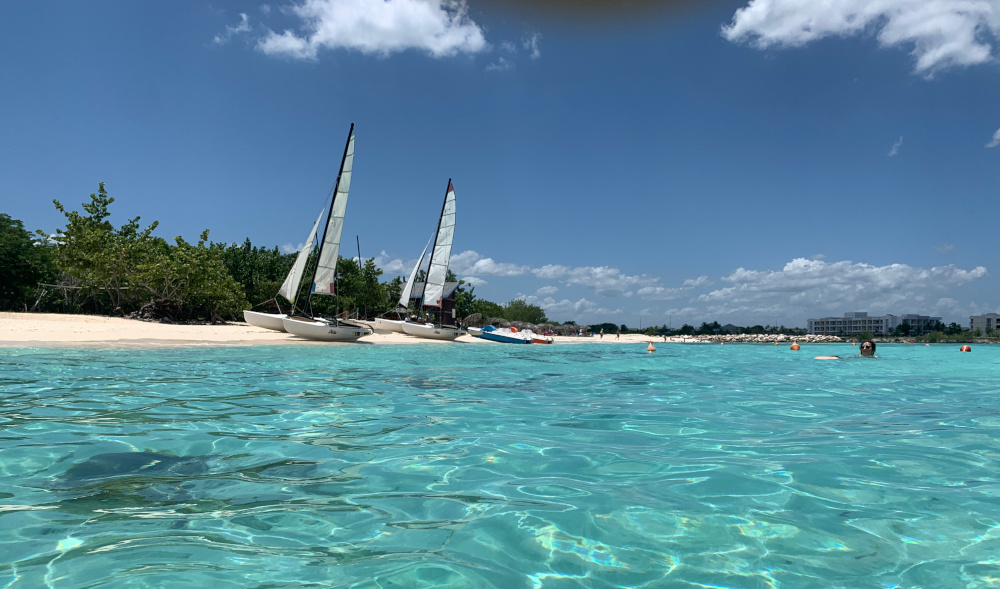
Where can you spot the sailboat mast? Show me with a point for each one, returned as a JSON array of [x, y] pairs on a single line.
[[333, 200]]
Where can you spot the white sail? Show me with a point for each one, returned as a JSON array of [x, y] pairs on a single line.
[[441, 254], [404, 299], [326, 269], [290, 287]]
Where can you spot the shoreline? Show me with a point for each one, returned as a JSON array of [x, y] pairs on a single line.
[[53, 330]]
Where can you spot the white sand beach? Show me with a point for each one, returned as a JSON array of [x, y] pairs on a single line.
[[48, 330]]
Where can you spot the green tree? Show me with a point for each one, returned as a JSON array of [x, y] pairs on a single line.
[[519, 310], [488, 309], [105, 260], [191, 282], [24, 263], [686, 330], [259, 271]]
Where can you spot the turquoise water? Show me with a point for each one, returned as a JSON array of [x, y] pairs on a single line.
[[500, 466]]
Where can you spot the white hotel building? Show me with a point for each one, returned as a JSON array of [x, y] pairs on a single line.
[[855, 322]]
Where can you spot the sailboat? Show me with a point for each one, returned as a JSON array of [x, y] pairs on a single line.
[[326, 266], [289, 288], [396, 325], [437, 272]]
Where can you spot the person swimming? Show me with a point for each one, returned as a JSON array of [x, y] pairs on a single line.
[[867, 351]]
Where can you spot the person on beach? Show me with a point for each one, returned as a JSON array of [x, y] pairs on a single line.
[[602, 333], [618, 334], [867, 351]]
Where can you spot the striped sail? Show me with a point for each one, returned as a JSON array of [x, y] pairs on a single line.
[[290, 287], [441, 254], [326, 269], [404, 298]]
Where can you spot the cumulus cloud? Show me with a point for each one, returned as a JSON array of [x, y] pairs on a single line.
[[662, 293], [941, 34], [547, 290], [812, 286], [582, 310], [995, 141], [604, 280], [474, 281], [393, 266], [288, 248], [895, 147], [243, 27], [471, 263], [440, 28]]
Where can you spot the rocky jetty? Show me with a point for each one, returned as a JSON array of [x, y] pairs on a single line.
[[758, 338]]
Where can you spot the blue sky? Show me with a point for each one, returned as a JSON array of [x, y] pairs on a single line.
[[750, 162]]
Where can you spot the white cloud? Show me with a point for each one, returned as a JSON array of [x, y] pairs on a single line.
[[441, 28], [604, 280], [471, 263], [661, 293], [500, 65], [995, 140], [941, 33], [243, 27], [581, 310], [547, 290], [895, 147], [474, 281], [811, 287], [530, 42], [288, 248], [945, 248]]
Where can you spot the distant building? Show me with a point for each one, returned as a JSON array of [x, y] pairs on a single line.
[[856, 322], [986, 323]]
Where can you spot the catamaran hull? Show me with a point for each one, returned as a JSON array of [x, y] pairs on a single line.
[[325, 330], [390, 325], [432, 331], [265, 320]]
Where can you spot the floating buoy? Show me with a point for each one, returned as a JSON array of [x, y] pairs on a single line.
[[650, 347], [965, 349], [513, 329], [927, 345], [794, 346], [853, 344]]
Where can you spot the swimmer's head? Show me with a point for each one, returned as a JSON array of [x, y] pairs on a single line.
[[867, 349]]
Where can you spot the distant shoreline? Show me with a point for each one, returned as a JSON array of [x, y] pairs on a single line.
[[54, 330]]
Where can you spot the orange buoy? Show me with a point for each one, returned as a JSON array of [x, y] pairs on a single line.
[[965, 349], [513, 329], [927, 345], [650, 347], [794, 346]]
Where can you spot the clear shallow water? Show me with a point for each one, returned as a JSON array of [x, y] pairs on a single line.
[[500, 466]]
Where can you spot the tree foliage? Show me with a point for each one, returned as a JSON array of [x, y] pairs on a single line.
[[126, 270], [24, 263], [105, 260], [258, 270], [519, 310]]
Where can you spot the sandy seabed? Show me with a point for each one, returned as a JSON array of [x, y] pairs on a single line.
[[49, 330]]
